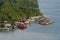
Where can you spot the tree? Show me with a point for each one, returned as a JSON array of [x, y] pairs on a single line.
[[14, 9]]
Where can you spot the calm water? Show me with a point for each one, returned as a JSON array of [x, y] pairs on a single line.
[[51, 8]]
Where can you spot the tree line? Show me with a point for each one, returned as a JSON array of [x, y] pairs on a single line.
[[14, 9]]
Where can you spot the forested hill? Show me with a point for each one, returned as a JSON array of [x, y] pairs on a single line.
[[14, 9]]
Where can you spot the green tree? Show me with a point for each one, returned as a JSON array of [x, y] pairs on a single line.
[[14, 9]]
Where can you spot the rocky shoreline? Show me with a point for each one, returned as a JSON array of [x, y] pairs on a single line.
[[22, 23]]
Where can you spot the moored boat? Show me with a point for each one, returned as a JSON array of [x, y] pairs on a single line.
[[45, 21], [22, 26]]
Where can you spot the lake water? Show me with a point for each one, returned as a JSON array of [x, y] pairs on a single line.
[[51, 8]]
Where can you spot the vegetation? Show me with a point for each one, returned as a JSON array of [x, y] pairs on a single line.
[[14, 9]]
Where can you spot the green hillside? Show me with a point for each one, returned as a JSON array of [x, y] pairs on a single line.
[[14, 9]]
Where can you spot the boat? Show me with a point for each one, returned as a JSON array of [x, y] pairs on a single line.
[[22, 26], [45, 21]]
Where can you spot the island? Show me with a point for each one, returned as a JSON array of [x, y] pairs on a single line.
[[19, 13]]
